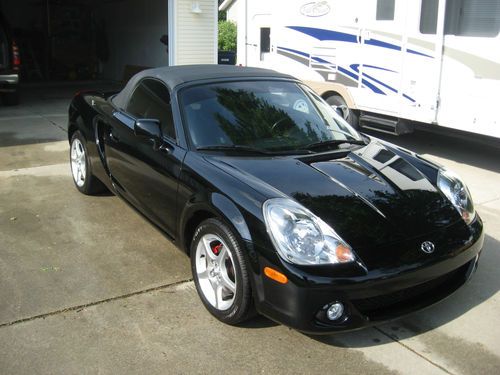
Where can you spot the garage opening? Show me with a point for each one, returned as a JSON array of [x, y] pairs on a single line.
[[63, 40]]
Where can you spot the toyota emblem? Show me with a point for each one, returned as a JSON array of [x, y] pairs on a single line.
[[427, 247]]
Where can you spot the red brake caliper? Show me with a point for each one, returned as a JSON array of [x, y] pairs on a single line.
[[216, 248]]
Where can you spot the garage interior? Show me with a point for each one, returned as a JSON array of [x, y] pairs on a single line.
[[64, 40]]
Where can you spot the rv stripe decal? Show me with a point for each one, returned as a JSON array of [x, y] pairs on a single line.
[[374, 67], [418, 53], [323, 34], [368, 84], [340, 69], [292, 55], [302, 57], [295, 51], [355, 67], [379, 43]]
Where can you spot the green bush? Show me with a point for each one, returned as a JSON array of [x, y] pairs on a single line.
[[227, 36]]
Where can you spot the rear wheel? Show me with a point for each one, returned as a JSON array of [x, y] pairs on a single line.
[[338, 103], [220, 273], [81, 170]]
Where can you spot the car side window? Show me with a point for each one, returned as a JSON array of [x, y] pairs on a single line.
[[151, 100]]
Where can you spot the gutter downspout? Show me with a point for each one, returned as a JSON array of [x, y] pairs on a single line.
[[246, 32]]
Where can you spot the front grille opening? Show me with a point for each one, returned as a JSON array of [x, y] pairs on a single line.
[[406, 300]]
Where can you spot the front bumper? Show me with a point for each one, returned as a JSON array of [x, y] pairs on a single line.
[[376, 297]]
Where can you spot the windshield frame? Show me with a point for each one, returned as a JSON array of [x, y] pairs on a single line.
[[305, 90]]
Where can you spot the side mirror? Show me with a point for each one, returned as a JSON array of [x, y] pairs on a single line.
[[148, 128]]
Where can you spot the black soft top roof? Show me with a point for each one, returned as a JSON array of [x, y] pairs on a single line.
[[174, 76]]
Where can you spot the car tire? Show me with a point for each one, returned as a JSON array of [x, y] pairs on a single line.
[[340, 105], [221, 277], [11, 98], [81, 169]]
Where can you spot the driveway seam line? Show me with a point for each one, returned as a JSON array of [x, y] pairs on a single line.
[[44, 116], [55, 124], [34, 115], [488, 201], [396, 340], [95, 303]]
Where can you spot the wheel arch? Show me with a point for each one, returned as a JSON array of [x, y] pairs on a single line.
[[218, 206], [72, 128], [327, 89], [329, 93], [80, 117], [77, 124]]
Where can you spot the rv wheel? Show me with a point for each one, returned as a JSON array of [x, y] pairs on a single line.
[[338, 103]]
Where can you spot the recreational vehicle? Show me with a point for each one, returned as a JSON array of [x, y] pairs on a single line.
[[384, 64]]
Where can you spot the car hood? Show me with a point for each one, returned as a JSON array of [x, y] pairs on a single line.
[[371, 196]]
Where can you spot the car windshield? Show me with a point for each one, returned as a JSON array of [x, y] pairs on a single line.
[[261, 115]]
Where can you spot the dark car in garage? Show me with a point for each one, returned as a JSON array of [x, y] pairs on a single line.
[[10, 63], [283, 207]]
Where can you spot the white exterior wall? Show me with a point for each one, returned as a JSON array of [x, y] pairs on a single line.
[[195, 34], [232, 13], [236, 14], [134, 29]]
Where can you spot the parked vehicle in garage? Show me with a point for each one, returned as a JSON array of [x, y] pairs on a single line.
[[283, 207], [10, 63]]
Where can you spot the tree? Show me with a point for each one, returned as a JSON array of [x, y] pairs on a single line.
[[227, 36]]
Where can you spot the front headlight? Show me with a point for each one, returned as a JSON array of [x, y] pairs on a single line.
[[301, 237], [455, 190]]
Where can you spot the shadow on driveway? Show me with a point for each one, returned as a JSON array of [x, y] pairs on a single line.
[[471, 152]]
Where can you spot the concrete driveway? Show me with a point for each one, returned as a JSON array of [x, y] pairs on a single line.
[[88, 286]]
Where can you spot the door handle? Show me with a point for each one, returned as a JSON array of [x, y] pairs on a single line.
[[166, 148]]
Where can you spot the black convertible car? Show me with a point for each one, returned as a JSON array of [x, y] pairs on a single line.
[[284, 209]]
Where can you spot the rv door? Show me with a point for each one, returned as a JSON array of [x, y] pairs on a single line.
[[422, 60], [258, 43], [470, 80], [382, 36]]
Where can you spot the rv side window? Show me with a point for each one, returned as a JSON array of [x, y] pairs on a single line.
[[477, 18], [265, 39], [385, 10], [428, 16]]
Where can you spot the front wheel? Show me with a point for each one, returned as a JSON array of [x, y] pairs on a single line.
[[81, 171], [220, 273]]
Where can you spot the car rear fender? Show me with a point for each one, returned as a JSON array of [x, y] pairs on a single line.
[[81, 114], [84, 110]]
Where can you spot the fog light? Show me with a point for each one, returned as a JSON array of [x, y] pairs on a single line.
[[335, 311]]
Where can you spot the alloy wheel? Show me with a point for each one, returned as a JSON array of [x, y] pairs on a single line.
[[78, 162], [215, 271]]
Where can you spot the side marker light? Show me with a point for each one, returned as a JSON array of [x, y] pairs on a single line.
[[275, 275]]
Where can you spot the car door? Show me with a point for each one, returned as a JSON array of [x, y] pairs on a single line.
[[144, 173]]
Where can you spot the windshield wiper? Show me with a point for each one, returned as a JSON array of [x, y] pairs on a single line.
[[334, 142], [351, 137], [232, 148], [249, 149]]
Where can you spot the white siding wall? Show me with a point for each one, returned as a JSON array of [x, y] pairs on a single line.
[[195, 34], [237, 13], [134, 28]]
